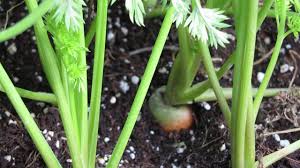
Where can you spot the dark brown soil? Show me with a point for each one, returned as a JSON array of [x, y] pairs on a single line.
[[206, 144]]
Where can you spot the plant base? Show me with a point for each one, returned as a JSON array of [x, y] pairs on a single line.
[[170, 118]]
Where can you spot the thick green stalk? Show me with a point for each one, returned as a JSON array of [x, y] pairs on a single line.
[[209, 94], [214, 81], [37, 96], [101, 23], [30, 125], [184, 69], [250, 134], [81, 99], [142, 90], [236, 72], [73, 110], [26, 22], [51, 68], [244, 60]]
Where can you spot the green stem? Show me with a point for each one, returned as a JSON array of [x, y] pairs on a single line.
[[244, 61], [101, 23], [263, 12], [209, 94], [184, 69], [81, 99], [199, 88], [214, 81], [250, 134], [90, 34], [30, 125], [72, 104], [276, 156], [142, 90], [263, 86], [50, 66], [37, 96], [26, 22], [272, 64], [236, 77]]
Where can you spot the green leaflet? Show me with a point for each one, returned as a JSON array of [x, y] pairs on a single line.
[[294, 24], [67, 49]]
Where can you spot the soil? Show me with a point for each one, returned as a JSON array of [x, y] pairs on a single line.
[[206, 144]]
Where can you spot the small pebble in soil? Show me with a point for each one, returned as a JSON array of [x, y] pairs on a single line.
[[117, 22], [260, 76], [12, 122], [124, 86], [152, 132], [132, 156], [131, 148], [188, 166], [282, 51], [223, 148], [39, 78], [276, 137], [110, 36], [41, 104], [57, 144], [139, 117], [135, 79], [206, 106], [113, 100], [8, 158], [284, 68], [12, 49], [124, 30], [284, 143], [106, 139], [32, 115], [267, 40], [69, 160], [191, 132], [46, 110], [180, 147], [16, 79], [101, 161], [222, 126], [288, 46], [163, 70], [126, 61], [51, 133], [45, 131], [180, 150], [7, 113]]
